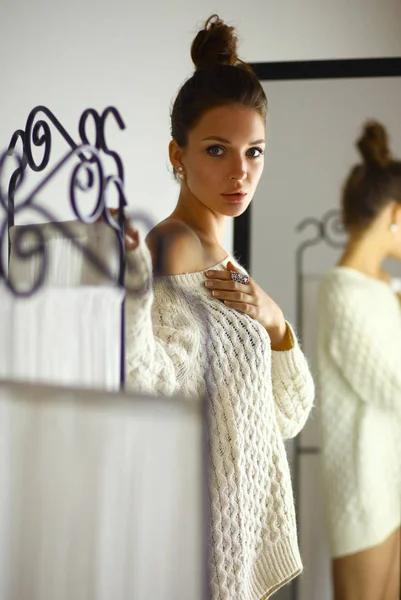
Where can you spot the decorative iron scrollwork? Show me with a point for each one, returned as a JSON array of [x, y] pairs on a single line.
[[88, 175]]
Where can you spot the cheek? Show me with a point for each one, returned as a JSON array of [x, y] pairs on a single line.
[[205, 172], [257, 172]]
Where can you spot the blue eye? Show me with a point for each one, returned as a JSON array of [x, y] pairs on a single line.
[[258, 150], [213, 150]]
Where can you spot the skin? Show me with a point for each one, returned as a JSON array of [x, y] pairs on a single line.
[[373, 574], [223, 154], [368, 248]]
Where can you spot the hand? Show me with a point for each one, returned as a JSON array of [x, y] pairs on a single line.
[[131, 237], [252, 300], [131, 240]]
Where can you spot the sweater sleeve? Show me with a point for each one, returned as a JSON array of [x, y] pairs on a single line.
[[365, 344], [156, 355], [293, 389]]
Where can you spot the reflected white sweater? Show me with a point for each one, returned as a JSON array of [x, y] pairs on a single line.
[[359, 356], [179, 339]]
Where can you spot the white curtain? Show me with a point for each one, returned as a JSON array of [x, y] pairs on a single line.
[[68, 336], [66, 265], [69, 331], [100, 496]]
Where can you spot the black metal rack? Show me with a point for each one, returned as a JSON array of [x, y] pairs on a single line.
[[88, 175]]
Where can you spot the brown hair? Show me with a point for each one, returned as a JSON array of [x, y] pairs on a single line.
[[370, 186], [220, 78]]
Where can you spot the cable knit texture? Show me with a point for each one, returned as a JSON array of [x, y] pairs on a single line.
[[181, 340], [359, 353]]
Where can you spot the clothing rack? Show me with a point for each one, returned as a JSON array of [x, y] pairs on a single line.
[[329, 231], [88, 174]]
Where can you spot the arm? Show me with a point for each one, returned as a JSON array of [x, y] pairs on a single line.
[[364, 342], [148, 368], [293, 388], [159, 338]]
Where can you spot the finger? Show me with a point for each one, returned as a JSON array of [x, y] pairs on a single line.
[[228, 284], [239, 297], [130, 229], [223, 276], [231, 267], [243, 307], [216, 274], [226, 275], [131, 236], [131, 241]]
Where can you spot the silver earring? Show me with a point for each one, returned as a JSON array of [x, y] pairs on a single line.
[[394, 227], [180, 172]]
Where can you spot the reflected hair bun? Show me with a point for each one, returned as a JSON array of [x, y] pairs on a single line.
[[374, 146]]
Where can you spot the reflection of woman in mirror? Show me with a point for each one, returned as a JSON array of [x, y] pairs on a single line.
[[248, 360], [360, 381]]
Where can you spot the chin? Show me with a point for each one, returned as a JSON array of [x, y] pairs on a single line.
[[234, 210], [237, 212]]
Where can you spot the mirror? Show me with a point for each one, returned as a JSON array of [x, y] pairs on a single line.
[[316, 112]]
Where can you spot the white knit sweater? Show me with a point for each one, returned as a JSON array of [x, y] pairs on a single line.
[[359, 359], [181, 340]]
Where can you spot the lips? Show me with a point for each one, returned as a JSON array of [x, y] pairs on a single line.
[[234, 196]]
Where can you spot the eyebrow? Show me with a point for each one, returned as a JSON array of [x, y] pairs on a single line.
[[220, 139]]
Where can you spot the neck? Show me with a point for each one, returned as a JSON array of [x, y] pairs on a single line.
[[209, 225], [365, 255]]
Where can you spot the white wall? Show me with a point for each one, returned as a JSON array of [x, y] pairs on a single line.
[[135, 55]]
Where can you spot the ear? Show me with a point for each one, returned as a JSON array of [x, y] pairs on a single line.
[[396, 214], [175, 154]]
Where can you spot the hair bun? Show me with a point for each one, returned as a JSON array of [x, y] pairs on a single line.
[[374, 146], [216, 43]]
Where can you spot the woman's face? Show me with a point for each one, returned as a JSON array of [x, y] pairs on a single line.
[[224, 158]]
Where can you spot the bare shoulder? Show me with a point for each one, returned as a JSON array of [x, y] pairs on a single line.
[[175, 248]]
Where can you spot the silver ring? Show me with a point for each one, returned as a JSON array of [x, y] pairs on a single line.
[[239, 277]]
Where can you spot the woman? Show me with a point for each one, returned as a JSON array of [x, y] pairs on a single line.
[[360, 381], [205, 327]]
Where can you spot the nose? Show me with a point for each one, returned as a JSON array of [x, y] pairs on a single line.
[[238, 170]]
